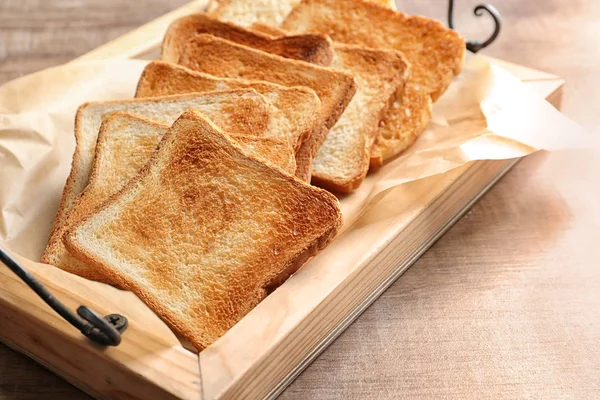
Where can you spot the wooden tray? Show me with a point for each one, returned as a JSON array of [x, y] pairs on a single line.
[[309, 311]]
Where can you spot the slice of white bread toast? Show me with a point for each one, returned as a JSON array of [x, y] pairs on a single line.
[[237, 111], [435, 53], [316, 49], [223, 58], [205, 232], [125, 144], [342, 162], [294, 110], [408, 117], [273, 12]]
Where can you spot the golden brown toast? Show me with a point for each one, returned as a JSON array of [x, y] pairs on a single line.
[[223, 58], [273, 12], [237, 111], [435, 53], [342, 162], [407, 118], [205, 232], [273, 31], [316, 49], [125, 144], [294, 111]]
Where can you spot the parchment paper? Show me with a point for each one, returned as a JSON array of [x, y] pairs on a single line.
[[486, 114]]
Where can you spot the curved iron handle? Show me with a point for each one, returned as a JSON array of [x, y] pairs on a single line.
[[104, 331], [479, 11]]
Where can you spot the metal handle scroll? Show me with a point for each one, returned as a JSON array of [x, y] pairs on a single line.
[[104, 331], [479, 11]]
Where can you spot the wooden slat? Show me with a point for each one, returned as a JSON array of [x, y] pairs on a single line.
[[143, 39]]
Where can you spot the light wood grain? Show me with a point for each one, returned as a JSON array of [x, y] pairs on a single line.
[[505, 304], [152, 364]]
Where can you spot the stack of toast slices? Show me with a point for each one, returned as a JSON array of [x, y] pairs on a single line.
[[213, 185]]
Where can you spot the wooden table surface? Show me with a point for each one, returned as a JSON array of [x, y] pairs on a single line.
[[505, 305]]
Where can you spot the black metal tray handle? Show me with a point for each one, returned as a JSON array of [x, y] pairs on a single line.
[[104, 331]]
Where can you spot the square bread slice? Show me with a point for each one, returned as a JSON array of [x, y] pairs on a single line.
[[401, 125], [226, 59], [342, 162], [125, 144], [294, 110], [273, 12], [241, 111], [435, 52], [315, 49], [205, 232]]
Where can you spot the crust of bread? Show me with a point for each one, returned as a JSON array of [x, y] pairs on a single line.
[[223, 58], [312, 48], [294, 110], [268, 29], [81, 206], [247, 110], [190, 143]]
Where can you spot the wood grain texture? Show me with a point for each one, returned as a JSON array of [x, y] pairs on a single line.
[[505, 304]]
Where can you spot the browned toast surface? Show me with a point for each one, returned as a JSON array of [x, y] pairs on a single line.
[[223, 58], [267, 29], [125, 144], [238, 111], [407, 118], [342, 161], [294, 110], [435, 53], [313, 48], [205, 231]]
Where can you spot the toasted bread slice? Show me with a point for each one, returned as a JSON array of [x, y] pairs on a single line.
[[316, 49], [435, 53], [273, 12], [406, 119], [205, 231], [294, 111], [271, 151], [342, 162], [125, 144], [237, 111], [223, 58]]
